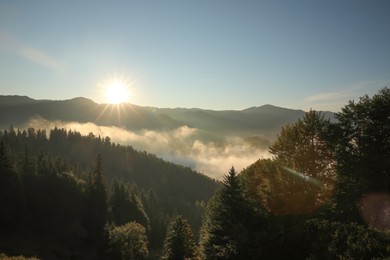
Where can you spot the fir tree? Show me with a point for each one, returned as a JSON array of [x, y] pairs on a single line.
[[179, 243], [10, 191], [96, 203], [225, 232]]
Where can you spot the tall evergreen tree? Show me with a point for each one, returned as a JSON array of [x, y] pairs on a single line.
[[97, 203], [125, 207], [10, 191], [226, 228], [179, 243], [119, 203]]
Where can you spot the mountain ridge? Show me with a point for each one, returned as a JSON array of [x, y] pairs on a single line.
[[185, 136], [3, 99], [17, 110]]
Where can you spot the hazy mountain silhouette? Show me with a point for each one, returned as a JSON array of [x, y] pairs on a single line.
[[267, 119], [186, 136]]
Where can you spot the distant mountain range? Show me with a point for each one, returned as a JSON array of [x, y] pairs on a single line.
[[266, 119], [208, 141]]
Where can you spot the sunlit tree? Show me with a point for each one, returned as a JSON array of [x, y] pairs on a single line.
[[302, 146], [128, 241], [361, 140], [179, 243], [303, 149], [226, 230]]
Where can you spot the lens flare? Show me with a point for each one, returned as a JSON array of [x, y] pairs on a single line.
[[304, 177], [375, 210]]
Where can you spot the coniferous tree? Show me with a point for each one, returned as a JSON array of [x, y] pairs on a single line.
[[125, 207], [97, 203], [119, 203], [179, 243], [137, 212], [226, 228], [10, 191], [27, 166], [62, 202]]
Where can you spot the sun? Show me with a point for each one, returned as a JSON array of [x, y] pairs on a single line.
[[117, 92]]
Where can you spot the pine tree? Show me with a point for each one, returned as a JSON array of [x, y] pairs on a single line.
[[97, 204], [125, 207], [179, 243], [225, 232], [10, 191]]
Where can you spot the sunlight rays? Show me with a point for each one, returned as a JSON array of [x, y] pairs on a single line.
[[116, 91]]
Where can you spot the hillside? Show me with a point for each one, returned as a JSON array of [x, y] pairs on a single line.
[[41, 159]]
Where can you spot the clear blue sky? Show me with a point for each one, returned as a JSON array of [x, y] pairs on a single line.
[[216, 54]]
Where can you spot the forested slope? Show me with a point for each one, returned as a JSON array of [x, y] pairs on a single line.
[[48, 179], [324, 195]]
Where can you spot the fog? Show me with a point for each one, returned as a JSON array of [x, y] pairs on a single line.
[[184, 145]]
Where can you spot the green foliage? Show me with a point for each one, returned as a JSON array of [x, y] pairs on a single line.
[[279, 190], [48, 192], [337, 240], [274, 209], [5, 257], [356, 150], [96, 216], [302, 147], [125, 206], [226, 231], [179, 243], [128, 241], [119, 203], [361, 141], [11, 201]]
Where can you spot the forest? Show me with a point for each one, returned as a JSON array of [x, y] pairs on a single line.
[[325, 194]]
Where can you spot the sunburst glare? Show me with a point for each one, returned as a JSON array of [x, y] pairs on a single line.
[[117, 92], [117, 89]]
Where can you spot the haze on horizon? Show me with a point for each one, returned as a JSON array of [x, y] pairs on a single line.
[[215, 55]]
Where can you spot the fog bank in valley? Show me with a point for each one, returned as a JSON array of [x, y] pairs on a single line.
[[209, 154]]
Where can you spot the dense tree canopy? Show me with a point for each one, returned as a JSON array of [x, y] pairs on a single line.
[[303, 151], [226, 231], [96, 216], [361, 141], [58, 188], [179, 242], [128, 242], [57, 192], [301, 146]]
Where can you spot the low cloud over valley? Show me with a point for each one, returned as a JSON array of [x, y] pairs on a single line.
[[208, 154]]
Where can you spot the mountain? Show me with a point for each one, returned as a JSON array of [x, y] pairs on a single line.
[[16, 110], [186, 136], [15, 100]]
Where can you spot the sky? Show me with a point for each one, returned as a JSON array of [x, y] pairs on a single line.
[[210, 54]]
